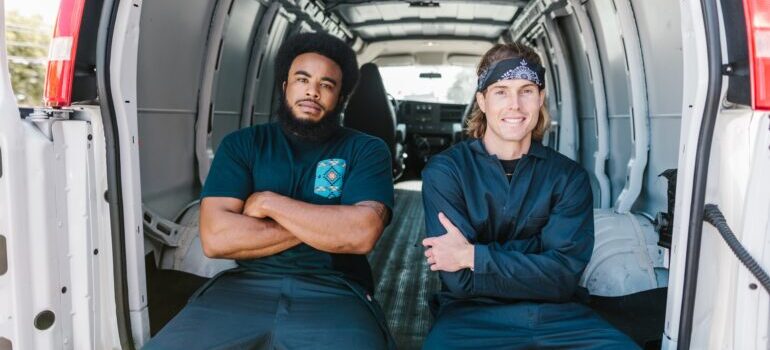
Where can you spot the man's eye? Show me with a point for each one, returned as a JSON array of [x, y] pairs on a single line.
[[327, 86], [302, 80], [499, 92]]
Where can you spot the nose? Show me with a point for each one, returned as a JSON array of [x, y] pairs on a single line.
[[513, 103], [312, 91]]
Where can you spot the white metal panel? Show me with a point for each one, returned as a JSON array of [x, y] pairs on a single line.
[[125, 45], [752, 308], [31, 282], [106, 313], [694, 97], [354, 14], [74, 158]]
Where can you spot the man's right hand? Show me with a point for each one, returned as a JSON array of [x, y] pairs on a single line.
[[253, 204], [256, 204]]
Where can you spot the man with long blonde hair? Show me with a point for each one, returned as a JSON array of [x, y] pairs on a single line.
[[510, 224]]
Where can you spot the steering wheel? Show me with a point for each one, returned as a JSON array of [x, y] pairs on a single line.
[[393, 102]]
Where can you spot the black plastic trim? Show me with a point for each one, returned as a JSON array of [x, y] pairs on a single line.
[[736, 42], [703, 151]]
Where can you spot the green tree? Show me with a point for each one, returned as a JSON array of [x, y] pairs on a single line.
[[27, 40]]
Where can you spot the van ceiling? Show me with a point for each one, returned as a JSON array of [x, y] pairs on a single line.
[[392, 20]]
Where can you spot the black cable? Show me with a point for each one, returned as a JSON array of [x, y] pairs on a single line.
[[713, 216]]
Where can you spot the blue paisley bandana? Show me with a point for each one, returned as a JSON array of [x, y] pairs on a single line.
[[512, 68]]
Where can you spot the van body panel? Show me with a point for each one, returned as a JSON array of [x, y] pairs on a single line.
[[123, 73], [695, 85], [739, 153], [752, 305]]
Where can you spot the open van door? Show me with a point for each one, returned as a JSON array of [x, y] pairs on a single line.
[[56, 272]]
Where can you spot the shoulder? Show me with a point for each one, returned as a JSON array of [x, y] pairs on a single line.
[[564, 164], [568, 176], [449, 161], [358, 141], [245, 136]]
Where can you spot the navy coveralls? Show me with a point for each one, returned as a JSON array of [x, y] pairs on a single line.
[[532, 237], [301, 298]]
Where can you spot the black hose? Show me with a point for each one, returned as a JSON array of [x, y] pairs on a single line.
[[713, 216]]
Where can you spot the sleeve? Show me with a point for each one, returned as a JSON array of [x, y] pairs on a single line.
[[370, 177], [230, 173], [442, 192], [553, 274]]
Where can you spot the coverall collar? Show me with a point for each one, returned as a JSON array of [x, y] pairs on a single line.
[[536, 149]]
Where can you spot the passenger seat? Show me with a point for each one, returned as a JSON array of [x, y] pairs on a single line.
[[369, 111]]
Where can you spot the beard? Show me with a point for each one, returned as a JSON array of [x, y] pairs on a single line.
[[309, 130]]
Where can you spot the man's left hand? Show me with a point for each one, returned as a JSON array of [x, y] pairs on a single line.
[[449, 252]]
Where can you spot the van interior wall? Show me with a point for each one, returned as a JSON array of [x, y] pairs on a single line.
[[172, 56], [663, 71], [244, 91], [663, 62], [584, 96], [171, 53], [232, 66]]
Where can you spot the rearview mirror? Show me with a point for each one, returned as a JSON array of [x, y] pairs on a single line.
[[430, 75]]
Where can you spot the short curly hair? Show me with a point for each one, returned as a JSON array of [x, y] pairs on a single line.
[[322, 44]]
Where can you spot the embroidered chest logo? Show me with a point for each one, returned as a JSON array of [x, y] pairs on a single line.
[[329, 175]]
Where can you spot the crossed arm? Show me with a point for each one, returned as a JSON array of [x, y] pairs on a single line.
[[268, 223]]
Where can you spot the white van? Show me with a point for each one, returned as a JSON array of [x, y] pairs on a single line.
[[663, 102]]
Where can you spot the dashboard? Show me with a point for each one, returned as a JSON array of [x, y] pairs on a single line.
[[431, 117], [431, 127]]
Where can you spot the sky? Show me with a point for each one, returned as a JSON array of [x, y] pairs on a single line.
[[45, 8]]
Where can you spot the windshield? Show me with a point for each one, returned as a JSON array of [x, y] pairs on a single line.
[[456, 84]]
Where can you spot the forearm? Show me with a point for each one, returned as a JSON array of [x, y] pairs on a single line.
[[550, 275], [272, 249], [237, 236], [345, 229]]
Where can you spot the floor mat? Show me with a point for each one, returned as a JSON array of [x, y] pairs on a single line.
[[404, 283]]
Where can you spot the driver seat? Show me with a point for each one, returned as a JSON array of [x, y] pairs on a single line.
[[370, 112]]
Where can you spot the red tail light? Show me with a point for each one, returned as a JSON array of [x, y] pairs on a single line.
[[61, 57], [758, 30]]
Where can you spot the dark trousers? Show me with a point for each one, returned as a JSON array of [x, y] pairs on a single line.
[[523, 325], [243, 310]]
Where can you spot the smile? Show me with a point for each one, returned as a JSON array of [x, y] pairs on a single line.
[[514, 120]]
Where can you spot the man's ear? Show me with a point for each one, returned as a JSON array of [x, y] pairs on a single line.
[[481, 101], [542, 97], [283, 86]]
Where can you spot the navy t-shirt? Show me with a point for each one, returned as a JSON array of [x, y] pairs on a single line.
[[348, 168]]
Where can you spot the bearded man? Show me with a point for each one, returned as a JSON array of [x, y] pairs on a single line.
[[297, 203]]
